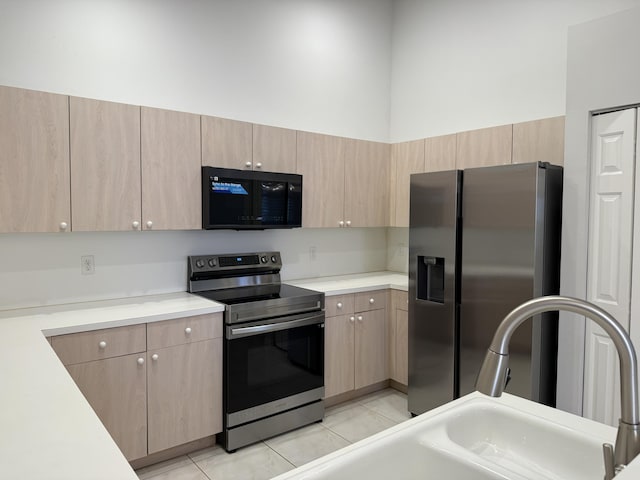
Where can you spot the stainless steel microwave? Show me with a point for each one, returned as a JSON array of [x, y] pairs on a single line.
[[250, 200]]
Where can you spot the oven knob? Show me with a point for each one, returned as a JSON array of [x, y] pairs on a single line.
[[274, 259], [263, 259], [212, 262], [200, 263]]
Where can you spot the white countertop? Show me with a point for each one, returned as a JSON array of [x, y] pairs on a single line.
[[359, 282], [47, 429]]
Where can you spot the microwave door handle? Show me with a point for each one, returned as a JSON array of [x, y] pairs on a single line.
[[274, 327]]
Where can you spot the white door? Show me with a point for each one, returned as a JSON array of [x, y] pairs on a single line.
[[634, 322], [610, 247]]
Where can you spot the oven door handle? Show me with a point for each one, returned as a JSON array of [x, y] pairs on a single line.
[[274, 327]]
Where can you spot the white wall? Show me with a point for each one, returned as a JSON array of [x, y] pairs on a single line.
[[316, 65], [603, 73], [466, 64], [43, 269]]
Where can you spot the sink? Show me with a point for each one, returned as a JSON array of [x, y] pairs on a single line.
[[477, 437], [403, 458], [518, 443]]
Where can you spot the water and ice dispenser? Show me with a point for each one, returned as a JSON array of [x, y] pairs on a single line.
[[430, 279]]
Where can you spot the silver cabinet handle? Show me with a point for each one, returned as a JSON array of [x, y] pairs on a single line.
[[140, 361], [352, 319], [102, 345], [154, 357], [135, 224], [248, 164], [372, 301], [64, 226], [348, 223], [339, 305], [187, 330], [149, 224], [258, 165], [359, 318]]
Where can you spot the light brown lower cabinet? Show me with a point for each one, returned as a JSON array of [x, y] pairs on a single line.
[[154, 399], [370, 348], [116, 389], [355, 342], [399, 337], [339, 363], [184, 393]]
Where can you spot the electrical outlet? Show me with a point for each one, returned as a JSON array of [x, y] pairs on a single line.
[[87, 265], [312, 253]]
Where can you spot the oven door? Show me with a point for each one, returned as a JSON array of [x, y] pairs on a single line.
[[272, 366]]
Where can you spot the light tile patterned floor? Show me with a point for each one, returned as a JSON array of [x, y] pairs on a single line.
[[343, 424]]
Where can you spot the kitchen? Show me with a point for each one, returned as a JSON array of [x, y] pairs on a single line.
[[86, 58]]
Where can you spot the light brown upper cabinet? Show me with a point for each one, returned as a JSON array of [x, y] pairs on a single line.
[[440, 153], [321, 163], [171, 179], [227, 143], [367, 183], [34, 161], [539, 141], [105, 161], [274, 149], [484, 147], [406, 158]]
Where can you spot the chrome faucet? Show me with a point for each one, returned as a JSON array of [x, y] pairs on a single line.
[[495, 370]]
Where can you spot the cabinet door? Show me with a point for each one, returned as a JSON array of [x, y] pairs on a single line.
[[274, 149], [539, 141], [105, 161], [116, 390], [185, 393], [370, 348], [367, 183], [321, 162], [484, 147], [407, 158], [338, 355], [401, 347], [226, 143], [440, 153], [34, 161], [171, 179]]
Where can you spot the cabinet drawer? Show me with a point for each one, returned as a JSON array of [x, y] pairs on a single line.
[[184, 330], [100, 344], [370, 300], [338, 305]]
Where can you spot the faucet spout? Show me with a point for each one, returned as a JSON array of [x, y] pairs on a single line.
[[492, 377]]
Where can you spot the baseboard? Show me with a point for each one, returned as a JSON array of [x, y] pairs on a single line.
[[173, 452]]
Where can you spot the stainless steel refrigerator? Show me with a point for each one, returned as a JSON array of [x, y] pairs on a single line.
[[481, 242]]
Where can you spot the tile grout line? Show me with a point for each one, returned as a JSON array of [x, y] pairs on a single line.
[[279, 454], [199, 468]]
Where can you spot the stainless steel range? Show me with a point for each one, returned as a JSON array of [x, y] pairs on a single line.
[[274, 345]]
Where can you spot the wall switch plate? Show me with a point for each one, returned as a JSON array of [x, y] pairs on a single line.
[[87, 265]]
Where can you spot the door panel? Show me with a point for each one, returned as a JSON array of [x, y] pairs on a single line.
[[338, 355], [498, 264], [433, 248], [34, 161], [116, 390], [370, 348], [610, 241]]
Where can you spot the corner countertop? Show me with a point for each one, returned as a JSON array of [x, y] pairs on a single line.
[[354, 283], [47, 429]]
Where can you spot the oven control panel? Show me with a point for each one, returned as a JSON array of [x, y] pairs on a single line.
[[259, 261]]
